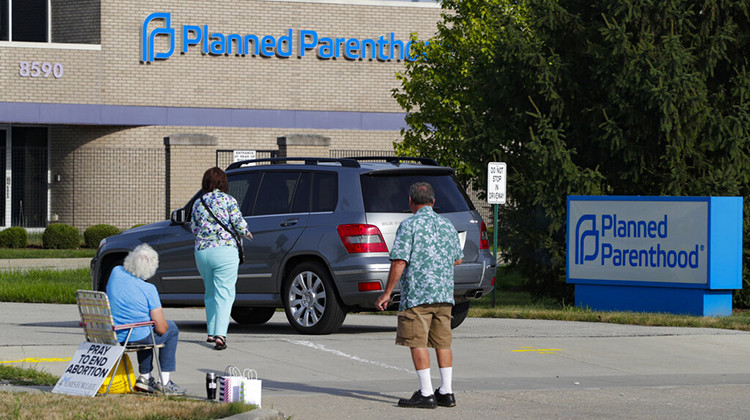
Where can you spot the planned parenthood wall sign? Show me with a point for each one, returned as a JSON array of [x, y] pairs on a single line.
[[655, 254]]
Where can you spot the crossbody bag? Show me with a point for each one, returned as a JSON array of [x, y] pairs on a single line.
[[237, 238]]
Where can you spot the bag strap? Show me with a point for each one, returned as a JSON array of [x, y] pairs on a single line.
[[234, 235], [232, 371]]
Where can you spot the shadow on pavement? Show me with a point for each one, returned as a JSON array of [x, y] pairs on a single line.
[[280, 328]]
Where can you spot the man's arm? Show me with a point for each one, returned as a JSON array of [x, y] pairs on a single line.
[[157, 315], [458, 261], [397, 269]]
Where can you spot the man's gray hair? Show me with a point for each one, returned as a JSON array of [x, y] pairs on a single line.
[[142, 262], [421, 193]]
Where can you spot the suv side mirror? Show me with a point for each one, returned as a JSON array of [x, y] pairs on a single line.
[[179, 216]]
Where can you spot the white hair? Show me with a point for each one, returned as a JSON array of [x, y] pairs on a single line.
[[142, 262]]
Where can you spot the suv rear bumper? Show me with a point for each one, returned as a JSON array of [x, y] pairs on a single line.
[[349, 277]]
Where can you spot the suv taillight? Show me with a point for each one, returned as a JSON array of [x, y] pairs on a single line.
[[484, 243], [362, 238]]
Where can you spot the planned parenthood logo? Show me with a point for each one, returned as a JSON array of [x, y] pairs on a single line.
[[581, 236], [148, 39], [289, 42], [661, 241]]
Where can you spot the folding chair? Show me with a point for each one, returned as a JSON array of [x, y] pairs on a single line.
[[99, 327]]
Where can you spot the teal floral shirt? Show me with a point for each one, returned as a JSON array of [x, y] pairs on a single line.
[[429, 244], [208, 233]]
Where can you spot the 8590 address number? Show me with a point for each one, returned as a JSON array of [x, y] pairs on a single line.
[[38, 69]]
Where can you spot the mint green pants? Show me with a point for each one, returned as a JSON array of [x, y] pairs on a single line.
[[218, 267]]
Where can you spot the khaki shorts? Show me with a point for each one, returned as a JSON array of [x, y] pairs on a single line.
[[425, 326]]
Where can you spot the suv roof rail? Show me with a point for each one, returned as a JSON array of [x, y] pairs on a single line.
[[347, 162], [397, 159]]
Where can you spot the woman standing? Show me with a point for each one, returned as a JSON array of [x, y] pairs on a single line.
[[216, 221]]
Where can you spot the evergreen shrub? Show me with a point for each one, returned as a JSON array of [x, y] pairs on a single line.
[[14, 237], [94, 234], [60, 236]]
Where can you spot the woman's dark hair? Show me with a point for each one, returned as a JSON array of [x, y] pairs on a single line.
[[214, 178]]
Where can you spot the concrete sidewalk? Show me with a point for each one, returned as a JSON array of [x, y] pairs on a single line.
[[44, 263]]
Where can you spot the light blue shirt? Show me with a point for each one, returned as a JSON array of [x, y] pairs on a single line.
[[131, 300]]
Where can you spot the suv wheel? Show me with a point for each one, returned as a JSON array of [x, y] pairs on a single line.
[[459, 312], [310, 300], [252, 315]]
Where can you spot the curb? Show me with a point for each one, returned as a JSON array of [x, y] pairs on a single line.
[[259, 414]]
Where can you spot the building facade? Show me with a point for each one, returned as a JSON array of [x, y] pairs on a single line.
[[110, 112]]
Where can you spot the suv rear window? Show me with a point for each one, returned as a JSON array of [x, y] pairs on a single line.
[[390, 193]]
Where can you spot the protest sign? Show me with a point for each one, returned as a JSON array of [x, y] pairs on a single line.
[[87, 369]]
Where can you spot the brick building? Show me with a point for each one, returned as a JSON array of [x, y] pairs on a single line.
[[111, 111]]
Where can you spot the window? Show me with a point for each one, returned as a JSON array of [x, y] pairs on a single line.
[[390, 194], [275, 193], [325, 192], [29, 20], [301, 202], [316, 192], [244, 188], [59, 21], [4, 13]]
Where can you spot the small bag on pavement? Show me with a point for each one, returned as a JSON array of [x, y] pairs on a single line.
[[250, 387], [236, 386]]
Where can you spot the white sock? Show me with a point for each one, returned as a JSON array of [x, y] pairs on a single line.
[[164, 378], [425, 382], [145, 376], [446, 376]]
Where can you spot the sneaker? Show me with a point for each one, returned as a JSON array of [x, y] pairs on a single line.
[[145, 385], [170, 388], [445, 400], [418, 401]]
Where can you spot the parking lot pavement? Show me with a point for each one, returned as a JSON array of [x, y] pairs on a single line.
[[503, 368]]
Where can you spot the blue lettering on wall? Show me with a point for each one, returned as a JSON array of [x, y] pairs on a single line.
[[147, 39], [602, 246], [199, 37]]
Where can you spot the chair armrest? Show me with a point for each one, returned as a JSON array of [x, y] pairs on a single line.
[[133, 325]]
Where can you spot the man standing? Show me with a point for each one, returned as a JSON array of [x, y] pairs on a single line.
[[422, 259]]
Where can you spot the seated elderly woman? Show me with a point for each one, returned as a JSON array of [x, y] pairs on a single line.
[[132, 299]]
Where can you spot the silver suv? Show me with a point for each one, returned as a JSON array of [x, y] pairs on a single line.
[[322, 229]]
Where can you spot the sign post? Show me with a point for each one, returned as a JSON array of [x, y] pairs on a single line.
[[497, 172]]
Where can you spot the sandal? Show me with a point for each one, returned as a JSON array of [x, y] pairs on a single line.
[[210, 339], [220, 342]]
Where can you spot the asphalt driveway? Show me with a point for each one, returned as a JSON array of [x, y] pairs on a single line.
[[502, 368]]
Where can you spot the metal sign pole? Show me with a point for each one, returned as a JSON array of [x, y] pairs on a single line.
[[494, 242], [496, 194]]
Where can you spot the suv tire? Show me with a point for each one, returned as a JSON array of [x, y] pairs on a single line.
[[250, 315], [310, 300], [459, 312]]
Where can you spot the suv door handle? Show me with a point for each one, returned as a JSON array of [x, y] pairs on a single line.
[[289, 222]]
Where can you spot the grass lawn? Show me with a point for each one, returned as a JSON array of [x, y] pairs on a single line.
[[13, 253], [23, 405], [512, 302], [43, 286]]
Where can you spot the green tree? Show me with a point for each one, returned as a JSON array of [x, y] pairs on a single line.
[[631, 97]]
